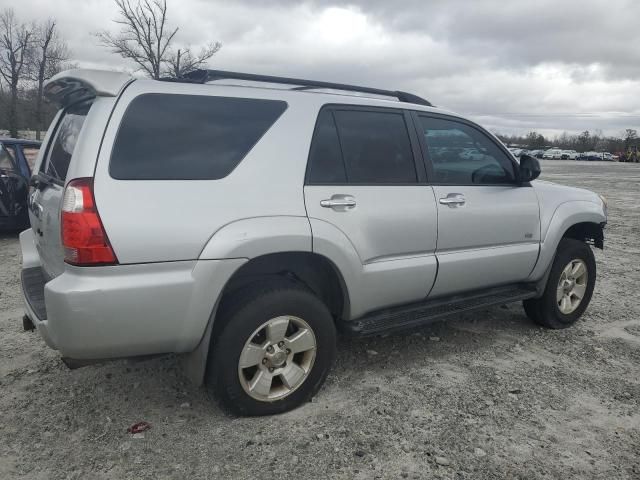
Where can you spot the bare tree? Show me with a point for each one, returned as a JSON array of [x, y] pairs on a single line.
[[183, 61], [630, 136], [50, 53], [146, 39], [15, 47]]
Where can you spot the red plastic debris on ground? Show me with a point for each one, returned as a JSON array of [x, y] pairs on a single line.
[[139, 427]]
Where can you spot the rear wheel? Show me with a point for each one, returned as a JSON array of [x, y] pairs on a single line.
[[273, 349], [569, 287]]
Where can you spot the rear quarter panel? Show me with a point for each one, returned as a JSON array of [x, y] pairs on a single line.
[[169, 220]]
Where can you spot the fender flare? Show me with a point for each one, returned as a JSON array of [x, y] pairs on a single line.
[[247, 238], [253, 237], [564, 217]]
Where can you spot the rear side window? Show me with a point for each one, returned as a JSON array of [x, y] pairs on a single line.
[[188, 137], [64, 142], [366, 147]]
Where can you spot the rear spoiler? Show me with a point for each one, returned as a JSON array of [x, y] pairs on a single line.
[[76, 85]]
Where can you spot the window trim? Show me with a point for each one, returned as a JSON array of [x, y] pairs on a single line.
[[190, 94], [421, 174], [416, 114]]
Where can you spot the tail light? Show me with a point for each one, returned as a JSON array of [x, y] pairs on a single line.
[[84, 239]]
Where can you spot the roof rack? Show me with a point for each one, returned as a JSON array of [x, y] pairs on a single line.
[[204, 76]]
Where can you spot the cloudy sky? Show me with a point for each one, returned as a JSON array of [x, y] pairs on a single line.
[[512, 65]]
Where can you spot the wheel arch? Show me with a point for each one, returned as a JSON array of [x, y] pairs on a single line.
[[315, 271], [581, 220], [588, 232]]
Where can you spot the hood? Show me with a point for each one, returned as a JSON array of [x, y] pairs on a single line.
[[561, 193]]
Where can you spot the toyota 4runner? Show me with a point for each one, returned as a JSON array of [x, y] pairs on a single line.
[[242, 220]]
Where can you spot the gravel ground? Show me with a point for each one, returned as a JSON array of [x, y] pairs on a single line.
[[484, 395]]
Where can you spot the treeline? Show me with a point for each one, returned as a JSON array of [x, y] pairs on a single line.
[[31, 53], [583, 142], [28, 117]]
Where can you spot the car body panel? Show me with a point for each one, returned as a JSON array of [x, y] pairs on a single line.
[[95, 312], [254, 237], [560, 208], [197, 209], [497, 231], [377, 284]]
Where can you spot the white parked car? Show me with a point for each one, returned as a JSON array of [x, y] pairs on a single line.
[[552, 154]]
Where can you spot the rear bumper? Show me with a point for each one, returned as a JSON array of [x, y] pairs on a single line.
[[124, 310]]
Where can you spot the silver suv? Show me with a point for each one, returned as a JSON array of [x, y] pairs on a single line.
[[241, 220]]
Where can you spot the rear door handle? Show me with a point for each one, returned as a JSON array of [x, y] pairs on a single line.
[[341, 202], [453, 200]]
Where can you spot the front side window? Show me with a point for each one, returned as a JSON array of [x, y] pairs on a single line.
[[361, 147], [188, 137], [463, 155], [65, 141]]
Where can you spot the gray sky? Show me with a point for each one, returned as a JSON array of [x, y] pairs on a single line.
[[512, 65]]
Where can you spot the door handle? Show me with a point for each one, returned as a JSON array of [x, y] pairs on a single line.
[[453, 200], [339, 201]]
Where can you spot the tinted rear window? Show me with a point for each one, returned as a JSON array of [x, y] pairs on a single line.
[[361, 147], [376, 147], [64, 142], [188, 137]]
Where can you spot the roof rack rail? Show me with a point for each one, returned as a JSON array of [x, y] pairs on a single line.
[[203, 76]]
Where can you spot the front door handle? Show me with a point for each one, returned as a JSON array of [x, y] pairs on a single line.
[[341, 202], [453, 200]]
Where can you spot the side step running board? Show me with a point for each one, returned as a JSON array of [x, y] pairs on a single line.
[[416, 314]]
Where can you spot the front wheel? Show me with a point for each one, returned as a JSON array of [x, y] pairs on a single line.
[[569, 287], [273, 350]]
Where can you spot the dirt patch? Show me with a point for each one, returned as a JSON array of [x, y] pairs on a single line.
[[485, 395]]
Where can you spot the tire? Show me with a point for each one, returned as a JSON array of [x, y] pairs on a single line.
[[547, 310], [240, 320]]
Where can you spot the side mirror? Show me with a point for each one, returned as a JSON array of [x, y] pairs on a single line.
[[529, 168]]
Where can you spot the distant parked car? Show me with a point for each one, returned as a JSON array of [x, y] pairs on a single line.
[[17, 158], [590, 156], [536, 153], [569, 155], [552, 154], [518, 151]]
